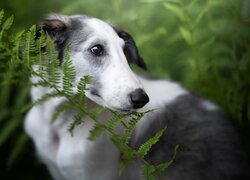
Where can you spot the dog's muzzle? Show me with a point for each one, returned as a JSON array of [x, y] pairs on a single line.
[[138, 98]]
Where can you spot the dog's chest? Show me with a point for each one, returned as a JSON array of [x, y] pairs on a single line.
[[71, 157], [80, 157]]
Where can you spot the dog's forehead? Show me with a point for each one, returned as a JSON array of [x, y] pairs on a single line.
[[89, 27]]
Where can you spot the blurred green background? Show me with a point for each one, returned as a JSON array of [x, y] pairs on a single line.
[[203, 44]]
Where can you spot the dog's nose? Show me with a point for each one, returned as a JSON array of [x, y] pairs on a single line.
[[138, 98]]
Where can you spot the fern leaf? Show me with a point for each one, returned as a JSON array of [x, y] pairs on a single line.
[[119, 143], [115, 120], [54, 73], [128, 155], [147, 172], [27, 49], [81, 88], [46, 97], [69, 75], [96, 112], [59, 110], [145, 147], [6, 25], [96, 131], [136, 117], [53, 66], [123, 165], [1, 16], [163, 166], [19, 145], [78, 119]]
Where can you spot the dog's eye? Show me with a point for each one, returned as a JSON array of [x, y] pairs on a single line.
[[97, 50]]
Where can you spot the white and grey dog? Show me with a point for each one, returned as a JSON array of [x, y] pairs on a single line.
[[210, 146]]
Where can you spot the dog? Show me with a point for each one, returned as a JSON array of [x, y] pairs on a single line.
[[210, 147]]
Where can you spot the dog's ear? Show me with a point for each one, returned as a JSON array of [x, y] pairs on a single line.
[[56, 27], [130, 49]]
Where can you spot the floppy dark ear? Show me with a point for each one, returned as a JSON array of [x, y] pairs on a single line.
[[56, 27], [130, 49]]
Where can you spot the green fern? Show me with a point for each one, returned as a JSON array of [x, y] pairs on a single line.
[[147, 172], [66, 106], [53, 66], [135, 118], [96, 131], [78, 119], [145, 147], [6, 25], [80, 97], [69, 75]]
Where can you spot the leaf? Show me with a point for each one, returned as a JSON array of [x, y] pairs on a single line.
[[163, 166], [1, 16], [53, 66], [145, 147], [176, 9], [119, 143], [46, 97], [147, 172], [7, 24], [187, 35], [78, 119], [208, 43], [96, 131], [115, 120], [59, 110], [201, 15], [20, 145], [8, 129], [81, 88], [123, 165], [136, 117], [69, 75]]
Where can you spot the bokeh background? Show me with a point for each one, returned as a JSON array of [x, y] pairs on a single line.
[[203, 44]]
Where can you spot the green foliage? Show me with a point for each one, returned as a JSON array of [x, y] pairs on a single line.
[[68, 75], [144, 148]]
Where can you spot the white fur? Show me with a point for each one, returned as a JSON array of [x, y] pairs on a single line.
[[117, 79], [209, 106]]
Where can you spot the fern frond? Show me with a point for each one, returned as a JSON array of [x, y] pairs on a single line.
[[163, 166], [78, 119], [41, 44], [119, 143], [60, 109], [6, 25], [54, 73], [115, 120], [81, 88], [30, 48], [147, 172], [96, 112], [145, 147], [69, 75], [1, 16], [96, 131], [46, 97], [136, 117]]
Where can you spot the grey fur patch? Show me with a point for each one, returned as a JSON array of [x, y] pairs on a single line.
[[210, 147]]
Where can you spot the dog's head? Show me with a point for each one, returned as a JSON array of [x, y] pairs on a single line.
[[102, 52]]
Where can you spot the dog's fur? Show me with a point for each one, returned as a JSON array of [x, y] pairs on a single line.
[[209, 145]]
